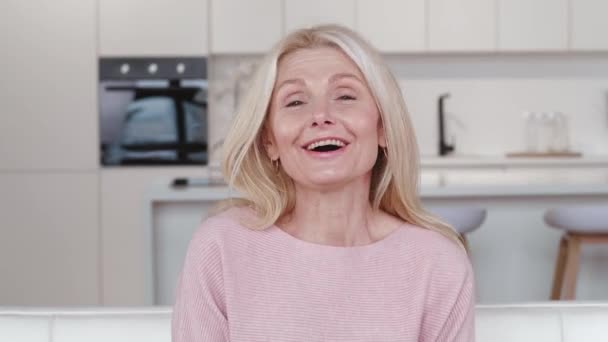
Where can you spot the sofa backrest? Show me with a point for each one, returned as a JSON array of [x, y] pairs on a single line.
[[547, 322], [100, 324]]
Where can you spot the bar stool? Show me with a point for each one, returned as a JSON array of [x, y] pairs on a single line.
[[581, 224], [463, 219]]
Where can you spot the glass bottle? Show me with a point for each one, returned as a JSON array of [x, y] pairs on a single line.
[[561, 126], [531, 131]]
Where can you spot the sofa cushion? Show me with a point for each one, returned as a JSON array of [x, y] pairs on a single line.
[[115, 327], [16, 327], [521, 324], [585, 324]]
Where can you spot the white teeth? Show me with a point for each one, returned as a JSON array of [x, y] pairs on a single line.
[[335, 142]]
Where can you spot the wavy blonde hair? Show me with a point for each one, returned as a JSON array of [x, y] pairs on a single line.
[[271, 193]]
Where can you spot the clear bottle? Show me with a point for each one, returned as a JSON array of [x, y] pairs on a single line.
[[531, 131], [545, 132], [562, 143]]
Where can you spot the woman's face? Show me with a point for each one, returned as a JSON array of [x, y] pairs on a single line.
[[323, 122]]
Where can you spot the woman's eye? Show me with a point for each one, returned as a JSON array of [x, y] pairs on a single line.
[[294, 103], [346, 97]]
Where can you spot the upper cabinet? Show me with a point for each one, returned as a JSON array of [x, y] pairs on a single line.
[[153, 27], [393, 26], [49, 85], [589, 25], [462, 25], [235, 30], [525, 25], [299, 13]]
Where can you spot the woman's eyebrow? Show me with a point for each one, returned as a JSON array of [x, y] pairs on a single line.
[[290, 81], [338, 76]]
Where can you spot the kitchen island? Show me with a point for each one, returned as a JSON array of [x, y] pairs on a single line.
[[513, 252]]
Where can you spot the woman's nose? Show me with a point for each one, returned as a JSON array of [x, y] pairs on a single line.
[[321, 114]]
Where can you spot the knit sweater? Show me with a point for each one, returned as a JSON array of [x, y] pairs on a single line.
[[239, 284]]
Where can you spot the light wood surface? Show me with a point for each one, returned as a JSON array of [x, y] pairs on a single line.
[[568, 258], [544, 154], [559, 269]]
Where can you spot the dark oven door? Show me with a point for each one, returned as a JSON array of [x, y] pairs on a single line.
[[153, 112]]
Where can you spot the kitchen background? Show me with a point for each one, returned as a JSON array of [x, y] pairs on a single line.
[[71, 231]]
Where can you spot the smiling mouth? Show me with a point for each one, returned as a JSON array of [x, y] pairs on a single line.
[[326, 145], [326, 148], [326, 151]]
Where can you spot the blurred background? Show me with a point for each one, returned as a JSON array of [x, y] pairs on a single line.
[[113, 114]]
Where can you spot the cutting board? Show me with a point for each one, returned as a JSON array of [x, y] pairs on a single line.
[[544, 154]]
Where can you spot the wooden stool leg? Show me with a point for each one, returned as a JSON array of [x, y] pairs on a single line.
[[571, 271], [558, 276]]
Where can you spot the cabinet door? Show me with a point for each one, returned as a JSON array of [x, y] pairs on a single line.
[[300, 13], [532, 25], [123, 223], [235, 30], [462, 25], [153, 27], [589, 25], [49, 245], [393, 25], [48, 83]]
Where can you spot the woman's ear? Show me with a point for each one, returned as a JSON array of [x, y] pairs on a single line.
[[270, 145], [381, 135], [272, 151]]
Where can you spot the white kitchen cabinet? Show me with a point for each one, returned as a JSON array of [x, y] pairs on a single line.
[[153, 27], [525, 25], [393, 26], [299, 14], [462, 25], [235, 30], [48, 85], [123, 191], [589, 28], [49, 246]]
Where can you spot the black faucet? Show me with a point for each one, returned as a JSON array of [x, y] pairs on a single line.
[[444, 148]]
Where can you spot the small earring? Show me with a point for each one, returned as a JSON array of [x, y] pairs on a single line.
[[275, 164]]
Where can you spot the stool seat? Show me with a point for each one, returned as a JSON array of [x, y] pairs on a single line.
[[588, 219], [463, 219]]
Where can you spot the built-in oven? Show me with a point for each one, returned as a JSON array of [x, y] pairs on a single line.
[[153, 111]]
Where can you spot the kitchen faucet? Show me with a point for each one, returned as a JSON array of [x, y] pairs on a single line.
[[444, 148]]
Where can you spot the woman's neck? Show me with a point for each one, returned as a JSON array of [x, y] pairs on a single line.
[[338, 218]]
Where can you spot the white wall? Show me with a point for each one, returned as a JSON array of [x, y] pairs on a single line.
[[489, 94]]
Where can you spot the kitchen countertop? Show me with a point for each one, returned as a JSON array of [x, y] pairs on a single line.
[[489, 161], [459, 183]]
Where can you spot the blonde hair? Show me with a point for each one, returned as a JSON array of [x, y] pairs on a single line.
[[394, 183]]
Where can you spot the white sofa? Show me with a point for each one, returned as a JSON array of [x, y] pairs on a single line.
[[545, 322]]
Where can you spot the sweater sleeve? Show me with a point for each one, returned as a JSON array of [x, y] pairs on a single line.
[[450, 308], [199, 313], [459, 324]]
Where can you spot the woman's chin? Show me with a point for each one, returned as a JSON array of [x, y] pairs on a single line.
[[326, 182]]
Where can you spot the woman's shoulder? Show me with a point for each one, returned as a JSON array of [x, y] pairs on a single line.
[[436, 248], [216, 228], [231, 216]]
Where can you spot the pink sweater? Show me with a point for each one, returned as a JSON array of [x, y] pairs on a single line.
[[243, 285]]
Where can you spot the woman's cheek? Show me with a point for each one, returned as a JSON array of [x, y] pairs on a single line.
[[285, 132]]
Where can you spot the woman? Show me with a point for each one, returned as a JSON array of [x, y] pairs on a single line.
[[330, 242]]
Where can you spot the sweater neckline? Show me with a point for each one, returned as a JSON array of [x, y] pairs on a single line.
[[318, 246]]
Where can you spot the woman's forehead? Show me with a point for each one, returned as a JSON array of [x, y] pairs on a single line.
[[322, 60]]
